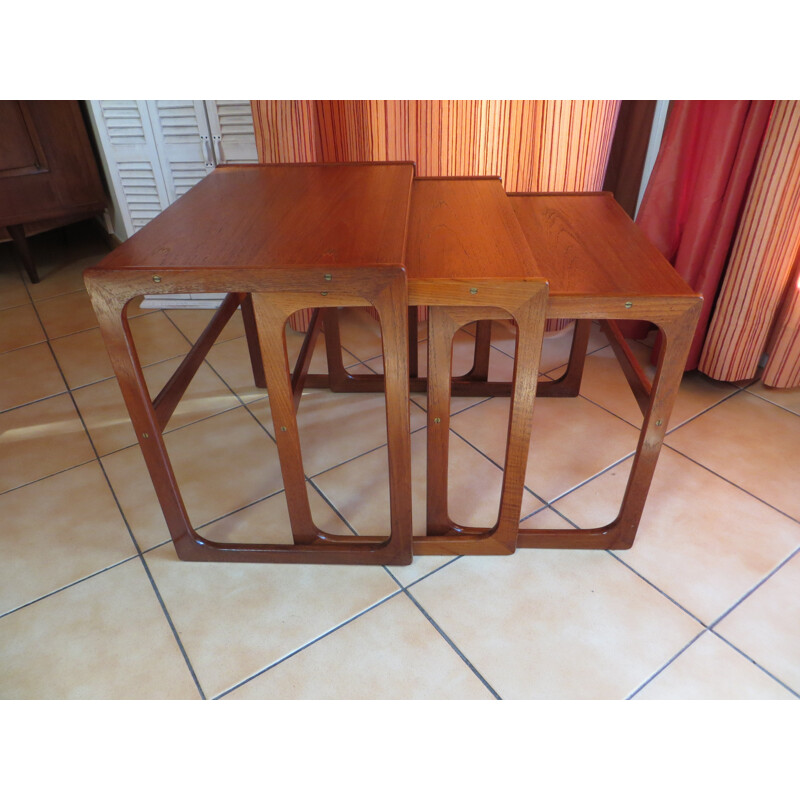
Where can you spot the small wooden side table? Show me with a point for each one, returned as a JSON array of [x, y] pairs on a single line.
[[276, 239]]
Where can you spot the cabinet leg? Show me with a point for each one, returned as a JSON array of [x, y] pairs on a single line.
[[21, 244]]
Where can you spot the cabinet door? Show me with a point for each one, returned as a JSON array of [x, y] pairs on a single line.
[[232, 132], [183, 142], [131, 160]]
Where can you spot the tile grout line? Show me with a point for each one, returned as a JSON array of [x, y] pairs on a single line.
[[69, 585], [51, 475], [449, 641], [228, 386], [493, 462], [129, 529], [735, 485], [755, 588], [308, 644], [613, 555], [771, 402], [755, 663], [661, 669]]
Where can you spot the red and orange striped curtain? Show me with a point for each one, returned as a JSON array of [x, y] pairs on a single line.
[[532, 145], [758, 309]]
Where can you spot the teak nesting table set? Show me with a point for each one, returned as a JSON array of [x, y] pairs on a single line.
[[280, 238]]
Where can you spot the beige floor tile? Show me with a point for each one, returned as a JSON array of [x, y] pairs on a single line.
[[79, 645], [390, 653], [766, 626], [545, 624], [360, 333], [106, 416], [605, 384], [335, 427], [19, 327], [751, 442], [60, 278], [222, 464], [40, 439], [132, 485], [360, 491], [66, 314], [268, 521], [236, 619], [360, 488], [702, 541], [192, 322], [231, 360], [786, 398], [83, 357], [57, 531], [712, 670], [12, 287], [28, 374], [572, 440], [61, 256], [555, 348]]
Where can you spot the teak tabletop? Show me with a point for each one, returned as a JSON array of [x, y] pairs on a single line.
[[279, 238]]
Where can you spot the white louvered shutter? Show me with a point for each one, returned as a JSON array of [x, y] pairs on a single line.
[[133, 166], [232, 132], [183, 142]]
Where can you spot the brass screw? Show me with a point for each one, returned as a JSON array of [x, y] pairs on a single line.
[[659, 423], [324, 294], [629, 304], [156, 279], [437, 420], [145, 436], [283, 428], [328, 277], [473, 290]]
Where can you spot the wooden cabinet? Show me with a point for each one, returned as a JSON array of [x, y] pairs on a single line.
[[48, 173]]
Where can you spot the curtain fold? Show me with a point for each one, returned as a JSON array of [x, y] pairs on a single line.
[[532, 145], [697, 191], [758, 303]]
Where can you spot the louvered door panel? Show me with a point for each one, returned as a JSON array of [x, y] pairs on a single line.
[[122, 120], [131, 160], [232, 132], [183, 141]]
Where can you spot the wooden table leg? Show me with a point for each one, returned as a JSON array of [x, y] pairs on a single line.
[[443, 535], [251, 332], [678, 331], [569, 384]]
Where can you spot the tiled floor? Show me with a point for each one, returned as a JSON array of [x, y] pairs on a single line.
[[94, 603]]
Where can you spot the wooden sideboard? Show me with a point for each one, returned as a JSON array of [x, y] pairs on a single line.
[[48, 172]]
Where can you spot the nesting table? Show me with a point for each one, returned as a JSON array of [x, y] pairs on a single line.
[[280, 238]]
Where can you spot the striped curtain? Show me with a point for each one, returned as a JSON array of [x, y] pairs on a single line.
[[758, 309], [532, 145]]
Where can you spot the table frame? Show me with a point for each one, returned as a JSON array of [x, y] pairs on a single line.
[[270, 296]]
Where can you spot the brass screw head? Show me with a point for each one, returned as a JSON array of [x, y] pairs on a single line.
[[283, 428], [324, 294], [473, 290], [156, 279], [328, 277], [437, 420], [659, 423], [629, 304], [145, 436]]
